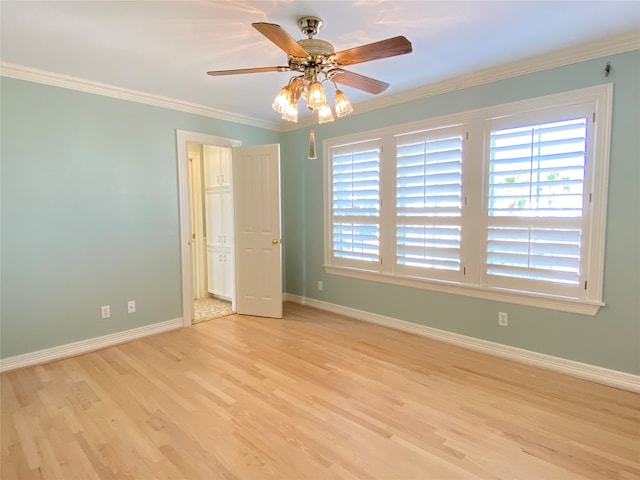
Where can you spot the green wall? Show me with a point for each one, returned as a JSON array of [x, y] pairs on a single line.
[[89, 208], [611, 339]]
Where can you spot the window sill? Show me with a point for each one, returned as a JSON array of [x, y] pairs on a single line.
[[582, 307]]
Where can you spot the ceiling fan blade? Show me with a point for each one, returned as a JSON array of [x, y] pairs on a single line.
[[374, 51], [358, 81], [218, 73], [281, 38]]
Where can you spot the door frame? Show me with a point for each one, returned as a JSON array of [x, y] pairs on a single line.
[[184, 195]]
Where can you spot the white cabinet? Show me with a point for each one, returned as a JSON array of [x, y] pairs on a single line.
[[220, 272], [219, 210], [219, 221], [217, 166]]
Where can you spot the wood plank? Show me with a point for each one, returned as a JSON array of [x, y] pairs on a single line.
[[312, 395]]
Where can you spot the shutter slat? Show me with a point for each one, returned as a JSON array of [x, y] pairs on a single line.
[[566, 159], [502, 184], [429, 212], [430, 263], [448, 178], [440, 250], [434, 191], [533, 274], [369, 165]]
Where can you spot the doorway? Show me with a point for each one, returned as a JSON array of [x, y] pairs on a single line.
[[256, 258], [212, 253], [206, 224]]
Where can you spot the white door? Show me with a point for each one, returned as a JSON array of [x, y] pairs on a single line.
[[256, 188]]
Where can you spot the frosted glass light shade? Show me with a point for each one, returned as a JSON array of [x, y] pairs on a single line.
[[324, 114], [316, 97], [282, 100], [291, 113], [343, 105]]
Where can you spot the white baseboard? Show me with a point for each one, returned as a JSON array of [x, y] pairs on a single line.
[[585, 371], [85, 346]]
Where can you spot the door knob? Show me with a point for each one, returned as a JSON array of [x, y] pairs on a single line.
[[275, 241]]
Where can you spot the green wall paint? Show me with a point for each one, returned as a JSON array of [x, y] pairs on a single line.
[[90, 213], [611, 339]]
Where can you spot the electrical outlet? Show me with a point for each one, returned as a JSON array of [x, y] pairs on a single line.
[[131, 306], [503, 319], [105, 311], [320, 285]]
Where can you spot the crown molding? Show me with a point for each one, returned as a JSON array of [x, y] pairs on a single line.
[[21, 72], [622, 43], [566, 56]]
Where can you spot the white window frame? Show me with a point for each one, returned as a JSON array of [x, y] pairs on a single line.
[[474, 191]]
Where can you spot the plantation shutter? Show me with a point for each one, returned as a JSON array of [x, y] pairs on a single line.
[[536, 189], [355, 194], [429, 202]]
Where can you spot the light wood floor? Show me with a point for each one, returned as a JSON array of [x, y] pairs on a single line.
[[313, 396]]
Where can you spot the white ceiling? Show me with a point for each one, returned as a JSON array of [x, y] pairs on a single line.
[[165, 48]]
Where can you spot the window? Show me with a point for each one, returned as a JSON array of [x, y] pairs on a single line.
[[506, 203], [429, 203], [535, 205], [355, 189]]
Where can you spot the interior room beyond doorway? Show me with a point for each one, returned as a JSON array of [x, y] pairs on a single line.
[[212, 236]]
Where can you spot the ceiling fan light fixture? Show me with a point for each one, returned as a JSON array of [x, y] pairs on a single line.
[[343, 105], [324, 114], [282, 100], [315, 58]]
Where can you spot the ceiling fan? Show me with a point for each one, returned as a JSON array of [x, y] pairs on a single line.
[[317, 61]]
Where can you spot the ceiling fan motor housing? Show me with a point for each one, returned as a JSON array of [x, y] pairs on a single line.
[[314, 47], [320, 55], [317, 49]]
